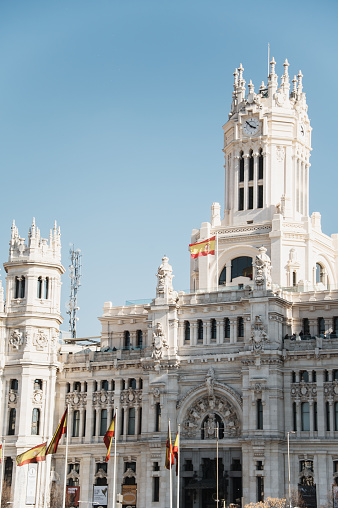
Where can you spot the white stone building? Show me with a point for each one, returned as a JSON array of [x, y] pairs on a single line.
[[252, 348]]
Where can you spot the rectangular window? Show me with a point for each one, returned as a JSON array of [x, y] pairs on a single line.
[[336, 416], [250, 198], [260, 488], [327, 416], [241, 169], [305, 416], [157, 417], [241, 198], [103, 423], [260, 196], [94, 423], [251, 168], [84, 423], [122, 421], [260, 166], [315, 418], [140, 421], [76, 423], [156, 489], [131, 421], [294, 416], [259, 414]]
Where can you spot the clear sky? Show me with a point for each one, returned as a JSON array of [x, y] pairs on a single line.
[[111, 115]]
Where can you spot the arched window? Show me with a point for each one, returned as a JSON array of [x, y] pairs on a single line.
[[251, 166], [199, 330], [294, 416], [319, 273], [241, 267], [35, 428], [101, 473], [46, 287], [186, 331], [304, 376], [259, 407], [131, 421], [104, 385], [315, 417], [209, 427], [305, 416], [240, 327], [306, 326], [226, 328], [260, 165], [85, 386], [103, 422], [8, 471], [76, 423], [126, 339], [11, 421], [321, 326], [38, 384], [14, 385], [241, 167], [328, 416], [223, 277], [77, 386], [20, 287], [139, 339], [132, 383], [39, 291], [336, 416], [213, 329]]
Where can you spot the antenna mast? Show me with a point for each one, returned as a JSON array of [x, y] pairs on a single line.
[[75, 276]]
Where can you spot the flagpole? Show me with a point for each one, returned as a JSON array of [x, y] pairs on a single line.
[[66, 461], [216, 260], [217, 500], [178, 467], [2, 467], [115, 459], [170, 468]]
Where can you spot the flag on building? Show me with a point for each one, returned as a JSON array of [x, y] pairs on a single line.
[[175, 450], [169, 456], [203, 248], [0, 453], [36, 454], [108, 437], [62, 429]]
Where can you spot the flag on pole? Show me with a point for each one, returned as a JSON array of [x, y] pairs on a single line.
[[0, 453], [203, 248], [62, 429], [36, 454], [169, 456], [108, 437], [175, 450]]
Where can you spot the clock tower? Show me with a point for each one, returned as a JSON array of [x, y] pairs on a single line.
[[267, 146]]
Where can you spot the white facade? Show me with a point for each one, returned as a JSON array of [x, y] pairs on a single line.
[[252, 348]]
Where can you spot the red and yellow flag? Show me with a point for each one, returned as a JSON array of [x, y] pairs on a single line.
[[108, 437], [36, 454], [203, 248], [175, 450], [62, 429], [0, 453], [169, 456]]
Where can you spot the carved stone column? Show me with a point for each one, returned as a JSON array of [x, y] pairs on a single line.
[[219, 333]]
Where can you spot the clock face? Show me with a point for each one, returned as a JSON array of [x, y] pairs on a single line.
[[251, 126], [302, 129]]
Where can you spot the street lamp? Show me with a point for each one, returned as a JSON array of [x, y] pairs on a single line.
[[288, 439]]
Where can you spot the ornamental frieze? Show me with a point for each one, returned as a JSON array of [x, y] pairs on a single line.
[[103, 398], [331, 389], [76, 399], [304, 390]]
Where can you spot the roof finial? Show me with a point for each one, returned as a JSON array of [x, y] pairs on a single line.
[[272, 66], [251, 87], [235, 78], [300, 83], [294, 87]]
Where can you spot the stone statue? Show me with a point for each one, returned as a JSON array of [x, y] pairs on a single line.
[[262, 266], [258, 334], [164, 276], [159, 342], [209, 381]]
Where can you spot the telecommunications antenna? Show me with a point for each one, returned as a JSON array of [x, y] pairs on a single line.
[[75, 276]]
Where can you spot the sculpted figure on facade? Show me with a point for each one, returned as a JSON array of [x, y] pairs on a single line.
[[40, 340], [159, 342], [262, 267], [209, 381], [16, 339], [164, 276], [258, 334]]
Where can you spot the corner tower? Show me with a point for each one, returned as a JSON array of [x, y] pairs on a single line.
[[29, 347]]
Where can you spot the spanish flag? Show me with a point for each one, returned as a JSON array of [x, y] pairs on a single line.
[[0, 453], [62, 429], [169, 456], [36, 454], [108, 437], [203, 248], [175, 450]]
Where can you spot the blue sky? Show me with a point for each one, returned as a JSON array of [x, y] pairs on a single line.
[[111, 115]]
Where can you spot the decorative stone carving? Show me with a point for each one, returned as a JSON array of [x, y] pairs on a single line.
[[131, 396], [280, 153], [129, 474], [156, 393], [258, 334], [37, 397], [76, 399], [304, 390], [159, 342], [40, 340], [262, 266], [16, 339], [201, 415], [12, 397], [101, 473]]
